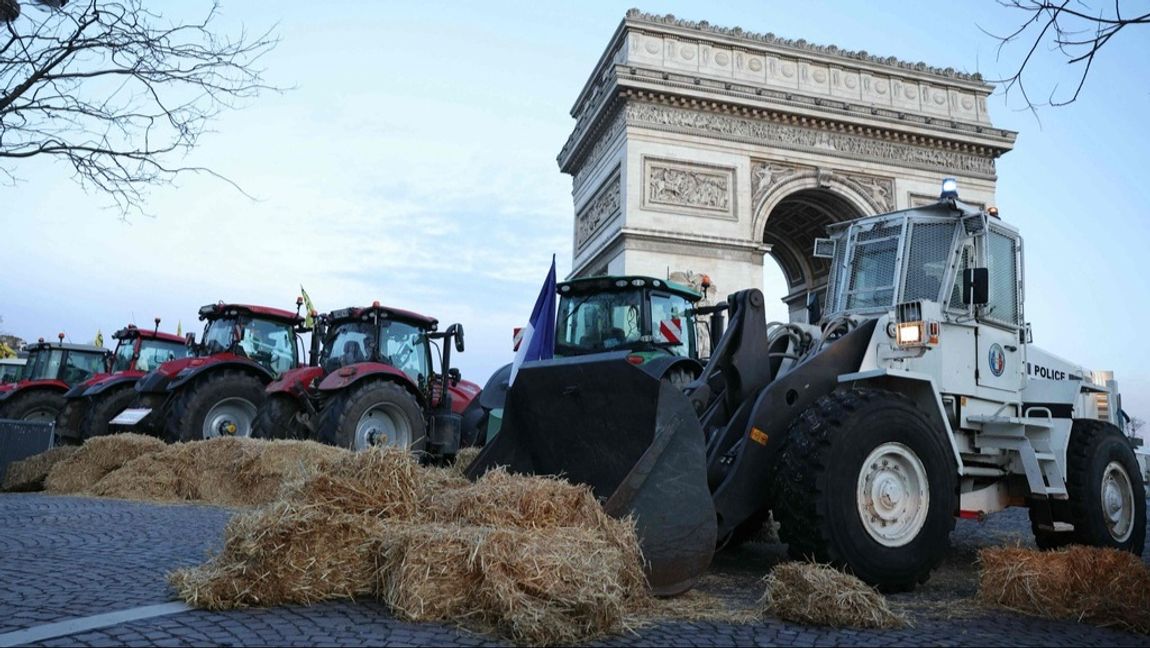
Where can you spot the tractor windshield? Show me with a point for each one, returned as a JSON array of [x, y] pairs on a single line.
[[405, 347], [80, 366], [603, 321], [220, 335], [125, 350], [43, 364], [270, 343], [9, 373], [154, 353], [347, 343], [671, 328]]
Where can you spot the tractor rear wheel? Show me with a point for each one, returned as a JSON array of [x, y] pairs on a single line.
[[1107, 498], [104, 408], [37, 405], [70, 420], [223, 403], [867, 483], [375, 413], [279, 418]]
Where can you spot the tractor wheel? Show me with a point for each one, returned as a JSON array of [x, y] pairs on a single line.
[[70, 420], [867, 483], [375, 413], [223, 403], [38, 405], [1107, 498], [279, 418], [104, 408]]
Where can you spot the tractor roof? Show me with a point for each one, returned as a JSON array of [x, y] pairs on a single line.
[[352, 312], [607, 283], [19, 362], [132, 331], [67, 346], [220, 309]]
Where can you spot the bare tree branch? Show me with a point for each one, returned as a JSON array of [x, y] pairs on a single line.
[[117, 91], [1072, 29]]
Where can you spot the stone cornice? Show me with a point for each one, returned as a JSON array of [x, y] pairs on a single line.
[[637, 17]]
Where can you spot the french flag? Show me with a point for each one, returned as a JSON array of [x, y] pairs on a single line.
[[539, 334]]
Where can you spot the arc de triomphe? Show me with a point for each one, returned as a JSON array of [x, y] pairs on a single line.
[[699, 149]]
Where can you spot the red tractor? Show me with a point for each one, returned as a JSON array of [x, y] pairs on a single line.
[[91, 404], [51, 370], [218, 390], [371, 382]]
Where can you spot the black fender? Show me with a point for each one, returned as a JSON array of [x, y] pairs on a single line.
[[189, 374], [153, 382], [105, 385], [661, 366]]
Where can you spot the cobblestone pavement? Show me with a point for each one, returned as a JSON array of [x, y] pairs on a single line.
[[67, 557]]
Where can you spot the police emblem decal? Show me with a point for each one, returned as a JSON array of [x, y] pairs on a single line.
[[997, 359]]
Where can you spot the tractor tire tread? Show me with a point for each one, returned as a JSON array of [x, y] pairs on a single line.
[[103, 408], [186, 404]]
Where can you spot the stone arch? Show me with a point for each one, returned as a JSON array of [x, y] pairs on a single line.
[[792, 207]]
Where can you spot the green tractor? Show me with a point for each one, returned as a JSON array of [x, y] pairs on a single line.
[[653, 323]]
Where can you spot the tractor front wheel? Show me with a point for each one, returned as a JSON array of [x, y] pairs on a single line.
[[376, 413], [37, 405], [223, 403], [868, 483], [104, 408], [70, 420], [279, 418]]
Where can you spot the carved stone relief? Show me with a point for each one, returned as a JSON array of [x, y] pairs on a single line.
[[877, 190], [681, 187], [602, 208], [767, 174], [841, 144]]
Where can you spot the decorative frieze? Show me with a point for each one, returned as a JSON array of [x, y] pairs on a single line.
[[681, 187], [604, 206], [838, 144], [600, 148]]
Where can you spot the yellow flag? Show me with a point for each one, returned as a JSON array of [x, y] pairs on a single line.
[[6, 351], [99, 341], [308, 321]]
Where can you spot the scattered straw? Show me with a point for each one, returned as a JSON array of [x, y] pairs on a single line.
[[464, 459], [814, 594], [95, 459], [533, 558], [1106, 587], [28, 474]]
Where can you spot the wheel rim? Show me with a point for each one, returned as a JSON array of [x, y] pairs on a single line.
[[38, 415], [893, 495], [1117, 501], [382, 425], [231, 417]]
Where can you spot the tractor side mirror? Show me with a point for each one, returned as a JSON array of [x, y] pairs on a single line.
[[457, 331], [975, 286], [191, 340], [454, 376]]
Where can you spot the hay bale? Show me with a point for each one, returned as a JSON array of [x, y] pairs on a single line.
[[464, 458], [541, 586], [1106, 587], [224, 471], [29, 474], [95, 459], [814, 594], [500, 499]]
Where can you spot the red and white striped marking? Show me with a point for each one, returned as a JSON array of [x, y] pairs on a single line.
[[671, 330], [516, 338]]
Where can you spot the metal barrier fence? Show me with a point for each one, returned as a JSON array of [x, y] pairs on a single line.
[[22, 439]]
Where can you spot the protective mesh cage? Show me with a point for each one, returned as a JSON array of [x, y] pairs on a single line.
[[833, 277], [1002, 257], [873, 267], [956, 291], [927, 256]]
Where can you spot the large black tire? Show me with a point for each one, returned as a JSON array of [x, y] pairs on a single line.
[[1102, 476], [341, 417], [70, 420], [851, 443], [105, 407], [279, 418], [191, 407], [34, 405]]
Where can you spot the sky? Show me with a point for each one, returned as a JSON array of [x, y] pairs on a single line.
[[413, 161]]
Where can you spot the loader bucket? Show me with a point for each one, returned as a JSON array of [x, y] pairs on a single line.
[[634, 439]]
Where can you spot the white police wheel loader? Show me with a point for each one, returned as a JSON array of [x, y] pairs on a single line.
[[918, 400]]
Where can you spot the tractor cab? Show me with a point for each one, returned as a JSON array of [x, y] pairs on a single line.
[[378, 334], [65, 363], [10, 369], [266, 336], [143, 350], [639, 314]]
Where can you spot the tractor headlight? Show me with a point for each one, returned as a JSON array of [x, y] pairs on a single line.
[[909, 333]]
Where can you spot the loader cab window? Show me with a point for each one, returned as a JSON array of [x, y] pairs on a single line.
[[927, 257], [1002, 261], [406, 348], [154, 353], [599, 322], [871, 283], [347, 344], [271, 344], [671, 328]]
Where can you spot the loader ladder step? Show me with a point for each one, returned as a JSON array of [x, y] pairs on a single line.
[[1043, 475]]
